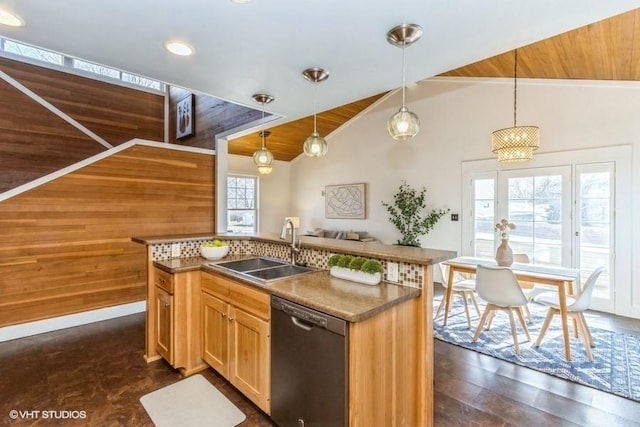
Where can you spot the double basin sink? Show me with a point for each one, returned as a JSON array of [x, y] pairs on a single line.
[[264, 269]]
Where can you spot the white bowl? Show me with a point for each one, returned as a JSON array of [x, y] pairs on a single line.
[[214, 252]]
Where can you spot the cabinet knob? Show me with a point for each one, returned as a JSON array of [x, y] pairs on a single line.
[[230, 319], [166, 305], [223, 314], [161, 280]]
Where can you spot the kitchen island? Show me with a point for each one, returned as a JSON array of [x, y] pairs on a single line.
[[391, 341]]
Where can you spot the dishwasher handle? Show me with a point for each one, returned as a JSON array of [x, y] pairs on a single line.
[[304, 319], [301, 324], [307, 318]]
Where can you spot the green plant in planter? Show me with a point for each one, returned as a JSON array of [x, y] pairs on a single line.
[[345, 260], [406, 214], [333, 260], [356, 263], [371, 266]]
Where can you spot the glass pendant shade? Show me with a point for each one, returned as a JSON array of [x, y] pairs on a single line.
[[315, 145], [515, 144], [265, 170], [403, 125], [263, 157]]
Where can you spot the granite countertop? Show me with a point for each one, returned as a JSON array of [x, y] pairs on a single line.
[[347, 300], [409, 254]]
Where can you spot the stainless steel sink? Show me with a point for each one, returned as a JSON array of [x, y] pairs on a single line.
[[263, 269], [249, 264], [275, 273]]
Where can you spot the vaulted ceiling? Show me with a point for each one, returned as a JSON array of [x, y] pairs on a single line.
[[605, 50], [263, 47]]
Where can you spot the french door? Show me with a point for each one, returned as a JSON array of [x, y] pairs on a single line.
[[564, 215]]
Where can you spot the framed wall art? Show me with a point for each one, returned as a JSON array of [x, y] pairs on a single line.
[[345, 201], [185, 125]]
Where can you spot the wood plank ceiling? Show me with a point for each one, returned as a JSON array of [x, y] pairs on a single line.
[[605, 50]]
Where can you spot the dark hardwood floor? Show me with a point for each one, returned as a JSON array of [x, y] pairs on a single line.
[[99, 369]]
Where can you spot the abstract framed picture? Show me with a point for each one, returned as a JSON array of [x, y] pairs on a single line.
[[345, 201], [185, 125]]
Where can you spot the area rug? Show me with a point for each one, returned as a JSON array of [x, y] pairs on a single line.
[[192, 402], [616, 365]]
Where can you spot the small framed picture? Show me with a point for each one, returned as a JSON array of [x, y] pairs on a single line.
[[185, 125]]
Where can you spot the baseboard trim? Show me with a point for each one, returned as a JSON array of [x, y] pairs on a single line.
[[47, 325]]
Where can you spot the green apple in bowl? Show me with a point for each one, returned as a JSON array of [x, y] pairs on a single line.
[[215, 249]]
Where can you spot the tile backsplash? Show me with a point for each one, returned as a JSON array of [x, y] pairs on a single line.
[[409, 274]]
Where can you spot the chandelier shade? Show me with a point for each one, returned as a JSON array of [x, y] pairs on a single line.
[[404, 124], [515, 144], [315, 145], [263, 157]]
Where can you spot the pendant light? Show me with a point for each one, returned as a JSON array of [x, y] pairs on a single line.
[[315, 145], [263, 157], [404, 124], [517, 143]]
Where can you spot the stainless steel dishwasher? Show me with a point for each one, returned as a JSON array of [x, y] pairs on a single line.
[[309, 361]]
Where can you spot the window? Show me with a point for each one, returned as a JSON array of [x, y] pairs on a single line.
[[538, 201], [33, 52], [68, 63], [96, 69], [242, 210]]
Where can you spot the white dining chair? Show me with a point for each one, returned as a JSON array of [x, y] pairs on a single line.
[[464, 288], [499, 287], [528, 288], [576, 306]]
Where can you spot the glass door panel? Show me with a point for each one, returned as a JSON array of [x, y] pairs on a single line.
[[594, 228], [484, 194], [538, 203]]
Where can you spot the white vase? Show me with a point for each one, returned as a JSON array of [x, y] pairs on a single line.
[[356, 276], [504, 254]]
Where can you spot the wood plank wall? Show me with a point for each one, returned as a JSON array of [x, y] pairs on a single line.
[[66, 247], [35, 142], [212, 116]]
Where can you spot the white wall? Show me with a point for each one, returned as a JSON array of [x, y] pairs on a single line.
[[273, 190], [457, 117]]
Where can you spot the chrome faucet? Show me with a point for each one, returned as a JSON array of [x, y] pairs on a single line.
[[295, 247]]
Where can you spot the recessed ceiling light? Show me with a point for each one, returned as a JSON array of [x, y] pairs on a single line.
[[179, 48], [10, 19]]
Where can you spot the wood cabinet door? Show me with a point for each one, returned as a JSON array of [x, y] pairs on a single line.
[[215, 333], [250, 357], [164, 326]]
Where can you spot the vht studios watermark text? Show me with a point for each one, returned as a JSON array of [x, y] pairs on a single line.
[[33, 414]]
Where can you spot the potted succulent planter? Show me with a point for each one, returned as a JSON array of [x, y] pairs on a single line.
[[356, 269]]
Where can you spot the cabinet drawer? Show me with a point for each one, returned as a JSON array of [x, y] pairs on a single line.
[[251, 300], [216, 285], [163, 280]]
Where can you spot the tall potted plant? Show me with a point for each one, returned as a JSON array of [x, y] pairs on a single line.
[[406, 213]]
